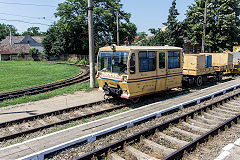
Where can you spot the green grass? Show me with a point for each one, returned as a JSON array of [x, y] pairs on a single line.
[[61, 91], [16, 75]]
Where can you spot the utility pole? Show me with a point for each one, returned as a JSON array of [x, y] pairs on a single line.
[[117, 27], [91, 44], [204, 27]]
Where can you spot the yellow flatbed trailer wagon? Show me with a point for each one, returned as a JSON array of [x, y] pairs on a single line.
[[221, 61], [194, 69]]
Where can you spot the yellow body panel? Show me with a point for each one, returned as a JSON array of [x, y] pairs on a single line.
[[142, 83], [221, 61], [235, 69], [198, 72], [236, 48], [194, 65]]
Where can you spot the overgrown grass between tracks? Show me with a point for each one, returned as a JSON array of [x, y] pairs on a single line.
[[61, 91]]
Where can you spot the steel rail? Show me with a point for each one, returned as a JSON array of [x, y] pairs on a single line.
[[12, 136], [176, 155], [47, 87], [58, 112], [204, 138]]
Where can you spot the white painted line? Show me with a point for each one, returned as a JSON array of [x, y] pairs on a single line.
[[223, 155], [237, 142], [228, 147]]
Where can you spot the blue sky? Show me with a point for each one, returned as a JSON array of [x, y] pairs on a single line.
[[145, 13]]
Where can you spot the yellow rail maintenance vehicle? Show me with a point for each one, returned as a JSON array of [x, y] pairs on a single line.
[[236, 63], [134, 71]]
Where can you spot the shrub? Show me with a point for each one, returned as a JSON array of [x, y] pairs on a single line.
[[21, 54], [83, 62], [33, 52]]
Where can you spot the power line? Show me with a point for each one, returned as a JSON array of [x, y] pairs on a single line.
[[24, 22], [40, 18], [29, 4]]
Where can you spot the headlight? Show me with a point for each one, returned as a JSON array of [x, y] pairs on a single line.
[[124, 78], [98, 75]]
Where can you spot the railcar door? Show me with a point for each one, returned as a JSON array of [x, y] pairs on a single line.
[[161, 71], [147, 71], [174, 71]]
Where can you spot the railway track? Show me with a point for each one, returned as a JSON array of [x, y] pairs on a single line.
[[171, 139], [81, 77], [25, 126]]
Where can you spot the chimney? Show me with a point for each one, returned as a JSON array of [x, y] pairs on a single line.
[[10, 38]]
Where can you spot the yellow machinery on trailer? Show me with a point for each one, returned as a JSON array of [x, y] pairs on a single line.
[[196, 69], [236, 63], [221, 62], [134, 71]]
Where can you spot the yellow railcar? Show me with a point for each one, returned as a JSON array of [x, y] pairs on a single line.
[[236, 63], [134, 71]]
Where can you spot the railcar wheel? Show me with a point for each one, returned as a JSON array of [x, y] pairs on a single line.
[[220, 77], [215, 77], [135, 100], [199, 81]]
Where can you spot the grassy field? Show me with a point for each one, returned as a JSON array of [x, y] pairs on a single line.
[[16, 75]]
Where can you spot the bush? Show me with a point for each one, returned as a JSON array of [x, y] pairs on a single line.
[[33, 52], [83, 62], [21, 54]]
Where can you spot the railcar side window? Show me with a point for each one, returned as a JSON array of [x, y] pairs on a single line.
[[161, 60], [104, 61], [147, 61], [132, 64], [173, 59]]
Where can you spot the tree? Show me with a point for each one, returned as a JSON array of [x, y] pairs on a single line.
[[54, 42], [159, 38], [222, 24], [227, 24], [174, 34], [71, 29], [5, 30], [33, 31]]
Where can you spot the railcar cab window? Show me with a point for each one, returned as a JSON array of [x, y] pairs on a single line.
[[173, 59], [132, 64], [115, 62], [147, 61], [161, 60]]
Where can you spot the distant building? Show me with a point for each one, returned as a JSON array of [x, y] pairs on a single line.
[[11, 46], [189, 48]]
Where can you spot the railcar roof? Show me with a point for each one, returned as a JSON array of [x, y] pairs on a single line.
[[152, 47], [142, 48]]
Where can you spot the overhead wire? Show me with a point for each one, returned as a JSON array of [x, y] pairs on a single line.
[[23, 22], [39, 18], [28, 4]]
